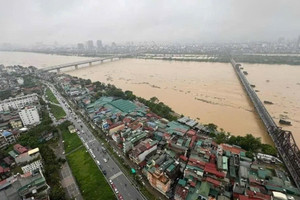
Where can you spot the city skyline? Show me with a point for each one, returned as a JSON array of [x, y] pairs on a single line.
[[69, 22]]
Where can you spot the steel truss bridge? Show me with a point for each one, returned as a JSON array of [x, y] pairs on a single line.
[[283, 140]]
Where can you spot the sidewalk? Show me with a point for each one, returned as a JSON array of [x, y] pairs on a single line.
[[67, 180]]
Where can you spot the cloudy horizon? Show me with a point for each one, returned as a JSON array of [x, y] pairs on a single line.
[[70, 22]]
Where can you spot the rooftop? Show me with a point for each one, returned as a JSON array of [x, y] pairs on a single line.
[[6, 133], [124, 105]]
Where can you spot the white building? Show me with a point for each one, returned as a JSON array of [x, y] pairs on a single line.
[[20, 80], [18, 102], [29, 116], [32, 166]]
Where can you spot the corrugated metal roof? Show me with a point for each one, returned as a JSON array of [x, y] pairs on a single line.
[[124, 105]]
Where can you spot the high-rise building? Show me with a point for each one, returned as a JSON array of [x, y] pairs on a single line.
[[29, 116], [113, 45], [298, 43], [99, 44], [18, 102], [80, 46], [90, 45]]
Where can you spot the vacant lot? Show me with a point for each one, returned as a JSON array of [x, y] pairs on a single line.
[[89, 178], [72, 141], [57, 111], [50, 96]]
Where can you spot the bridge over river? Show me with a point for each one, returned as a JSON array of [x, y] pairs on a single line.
[[283, 140], [76, 64]]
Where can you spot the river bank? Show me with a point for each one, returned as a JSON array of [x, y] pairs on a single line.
[[210, 92]]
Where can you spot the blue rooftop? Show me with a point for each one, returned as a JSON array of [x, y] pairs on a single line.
[[6, 133]]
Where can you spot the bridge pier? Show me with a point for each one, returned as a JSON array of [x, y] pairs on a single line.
[[76, 64]]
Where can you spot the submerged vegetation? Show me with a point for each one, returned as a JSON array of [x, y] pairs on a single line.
[[248, 142], [154, 105]]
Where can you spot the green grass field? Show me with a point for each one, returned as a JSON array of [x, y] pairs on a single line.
[[90, 180], [50, 96], [57, 111], [72, 141]]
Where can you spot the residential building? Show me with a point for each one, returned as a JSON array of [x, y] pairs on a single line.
[[29, 116], [90, 45], [143, 149], [16, 123], [20, 149], [31, 185], [6, 138], [28, 156], [158, 180], [33, 166], [18, 102], [71, 129], [99, 44], [80, 46]]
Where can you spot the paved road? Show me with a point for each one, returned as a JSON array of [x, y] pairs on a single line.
[[67, 180], [113, 172]]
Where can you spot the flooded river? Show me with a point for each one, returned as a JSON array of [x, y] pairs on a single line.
[[209, 92]]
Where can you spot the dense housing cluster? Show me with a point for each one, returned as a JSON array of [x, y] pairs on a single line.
[[178, 158]]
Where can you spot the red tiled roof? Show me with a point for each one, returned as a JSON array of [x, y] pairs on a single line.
[[167, 136], [242, 197], [109, 122], [191, 132], [198, 163], [3, 170], [181, 191], [258, 195], [20, 149], [8, 160], [148, 129], [126, 120], [213, 181], [143, 164], [193, 141], [153, 115], [193, 184], [183, 157], [115, 125], [211, 165], [213, 170], [232, 149]]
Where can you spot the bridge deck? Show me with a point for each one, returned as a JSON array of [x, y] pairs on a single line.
[[283, 140], [77, 63]]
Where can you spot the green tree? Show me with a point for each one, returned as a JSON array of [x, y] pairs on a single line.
[[154, 100], [268, 149], [212, 127]]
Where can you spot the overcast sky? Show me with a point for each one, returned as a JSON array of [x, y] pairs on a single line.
[[72, 21]]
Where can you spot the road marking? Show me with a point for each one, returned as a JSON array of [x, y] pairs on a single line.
[[116, 175], [91, 141]]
